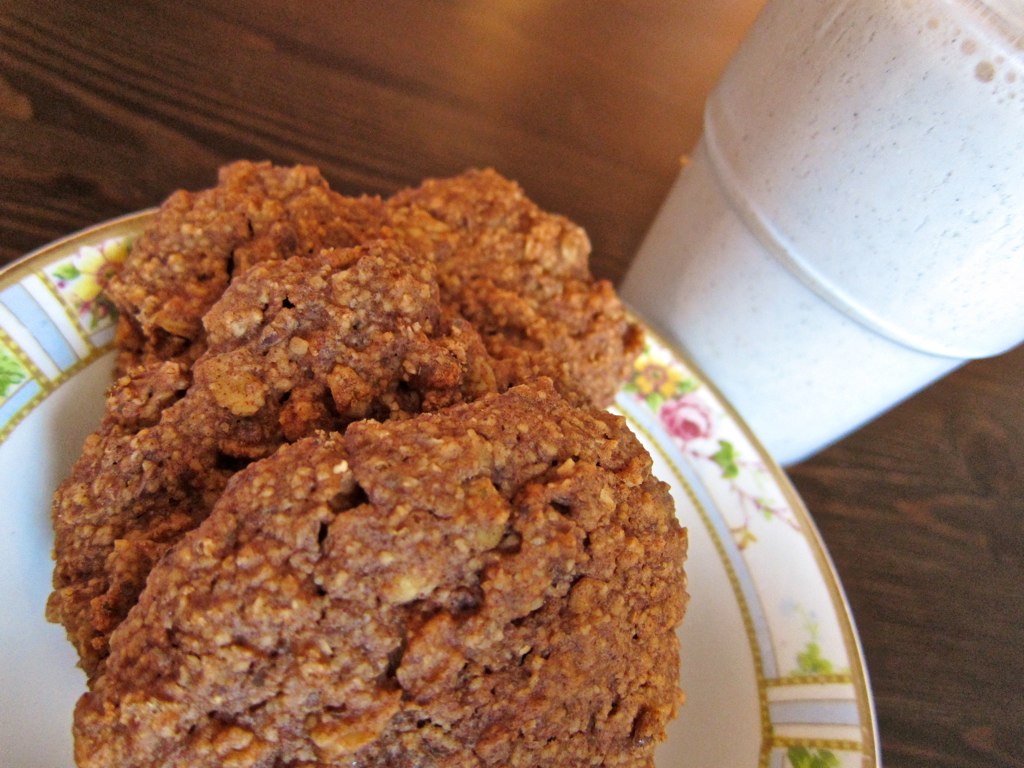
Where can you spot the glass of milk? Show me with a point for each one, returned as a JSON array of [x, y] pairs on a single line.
[[850, 226]]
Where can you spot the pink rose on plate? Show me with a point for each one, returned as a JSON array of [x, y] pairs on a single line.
[[687, 418]]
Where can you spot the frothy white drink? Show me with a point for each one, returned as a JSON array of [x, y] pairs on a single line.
[[852, 224]]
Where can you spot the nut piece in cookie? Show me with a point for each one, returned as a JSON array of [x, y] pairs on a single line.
[[495, 584]]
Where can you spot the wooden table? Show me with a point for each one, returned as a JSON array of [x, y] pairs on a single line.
[[107, 107]]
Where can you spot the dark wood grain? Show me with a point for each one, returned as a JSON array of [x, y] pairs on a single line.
[[106, 107], [923, 512]]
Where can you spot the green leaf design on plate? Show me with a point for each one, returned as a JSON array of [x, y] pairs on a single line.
[[811, 662], [11, 372], [802, 757], [725, 457], [654, 401], [67, 272]]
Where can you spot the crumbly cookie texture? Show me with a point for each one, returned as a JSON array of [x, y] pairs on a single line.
[[294, 346], [521, 276], [497, 583], [199, 241]]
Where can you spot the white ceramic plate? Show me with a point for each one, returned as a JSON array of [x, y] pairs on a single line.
[[772, 667]]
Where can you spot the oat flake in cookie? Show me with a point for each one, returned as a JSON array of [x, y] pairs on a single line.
[[498, 583]]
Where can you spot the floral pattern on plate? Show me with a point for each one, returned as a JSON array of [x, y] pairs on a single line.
[[79, 279], [814, 705], [694, 419]]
